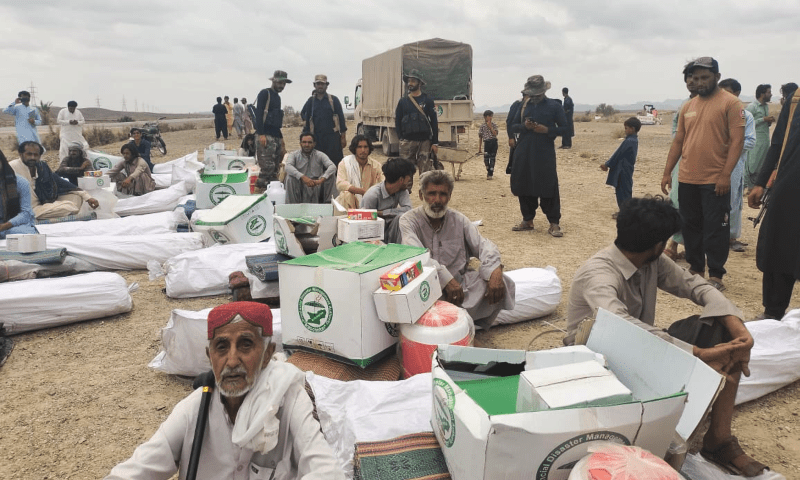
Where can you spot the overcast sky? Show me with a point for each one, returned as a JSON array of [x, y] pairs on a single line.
[[177, 56]]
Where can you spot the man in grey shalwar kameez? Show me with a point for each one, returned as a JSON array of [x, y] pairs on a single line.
[[310, 174], [453, 240]]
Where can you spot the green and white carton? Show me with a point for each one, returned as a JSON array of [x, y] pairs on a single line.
[[327, 306], [483, 436], [94, 183], [233, 162], [238, 219], [102, 161], [318, 219], [213, 188], [408, 304], [212, 154]]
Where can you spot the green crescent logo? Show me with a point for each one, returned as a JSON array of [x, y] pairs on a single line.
[[219, 237], [444, 402], [280, 240], [101, 163], [220, 192], [424, 291], [439, 111], [100, 182], [315, 309], [256, 226]]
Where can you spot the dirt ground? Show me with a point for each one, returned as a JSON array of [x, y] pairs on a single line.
[[76, 400]]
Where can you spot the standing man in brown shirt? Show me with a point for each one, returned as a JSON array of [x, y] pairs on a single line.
[[708, 141]]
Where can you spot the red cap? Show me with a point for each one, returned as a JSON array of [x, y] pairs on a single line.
[[255, 313]]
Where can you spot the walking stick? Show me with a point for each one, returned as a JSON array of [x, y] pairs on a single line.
[[207, 381]]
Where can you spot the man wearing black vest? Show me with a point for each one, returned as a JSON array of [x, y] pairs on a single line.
[[323, 116], [417, 124]]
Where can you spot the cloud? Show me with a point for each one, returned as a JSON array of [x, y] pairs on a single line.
[[180, 55]]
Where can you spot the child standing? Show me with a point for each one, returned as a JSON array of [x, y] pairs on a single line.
[[487, 138], [620, 165]]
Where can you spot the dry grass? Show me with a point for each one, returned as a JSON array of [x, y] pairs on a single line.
[[167, 127], [584, 118], [97, 136], [586, 155], [618, 133]]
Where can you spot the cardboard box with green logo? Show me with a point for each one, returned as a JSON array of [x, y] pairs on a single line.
[[483, 434], [238, 219], [233, 162], [213, 188], [306, 219], [212, 154], [409, 303], [94, 183], [102, 161], [327, 305]]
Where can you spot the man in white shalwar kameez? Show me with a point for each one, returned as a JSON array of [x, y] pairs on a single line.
[[453, 240], [71, 122], [260, 422]]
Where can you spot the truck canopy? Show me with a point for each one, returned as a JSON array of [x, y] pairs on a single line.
[[446, 66]]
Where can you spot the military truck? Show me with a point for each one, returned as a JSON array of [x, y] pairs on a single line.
[[447, 68]]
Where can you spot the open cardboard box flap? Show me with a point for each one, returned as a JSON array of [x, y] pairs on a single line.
[[674, 391]]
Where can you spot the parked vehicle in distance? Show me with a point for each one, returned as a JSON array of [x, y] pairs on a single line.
[[447, 67]]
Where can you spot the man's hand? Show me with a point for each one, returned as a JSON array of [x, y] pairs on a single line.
[[453, 292], [666, 184], [754, 199], [731, 357], [496, 289], [539, 128], [5, 226], [604, 167], [262, 139], [320, 181], [127, 182], [356, 191], [308, 181], [723, 184], [73, 122], [435, 149], [93, 203], [344, 140], [512, 143], [769, 120], [32, 121]]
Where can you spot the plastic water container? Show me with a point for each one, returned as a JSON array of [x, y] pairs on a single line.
[[443, 323], [276, 193]]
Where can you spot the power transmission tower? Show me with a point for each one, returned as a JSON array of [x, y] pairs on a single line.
[[98, 100], [33, 93], [124, 106], [135, 105]]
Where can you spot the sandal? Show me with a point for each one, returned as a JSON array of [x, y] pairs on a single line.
[[729, 450], [522, 227], [717, 283], [737, 246], [555, 230]]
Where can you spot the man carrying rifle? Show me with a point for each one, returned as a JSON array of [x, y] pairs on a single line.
[[778, 252], [259, 418]]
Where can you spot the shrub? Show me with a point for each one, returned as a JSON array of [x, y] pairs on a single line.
[[102, 136], [51, 141], [585, 155], [618, 133], [606, 110], [584, 118], [125, 119]]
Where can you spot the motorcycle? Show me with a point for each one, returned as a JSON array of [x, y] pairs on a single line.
[[152, 134]]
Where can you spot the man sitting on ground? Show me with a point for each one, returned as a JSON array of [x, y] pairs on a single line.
[[624, 279], [132, 175], [51, 195], [453, 240], [260, 416], [75, 163], [357, 173], [16, 215], [390, 197], [310, 174]]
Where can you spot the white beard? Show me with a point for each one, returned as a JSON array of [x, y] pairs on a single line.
[[429, 212]]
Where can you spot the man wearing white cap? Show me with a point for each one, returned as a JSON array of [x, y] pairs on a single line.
[[259, 418]]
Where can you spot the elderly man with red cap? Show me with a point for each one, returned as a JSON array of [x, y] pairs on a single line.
[[259, 419]]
